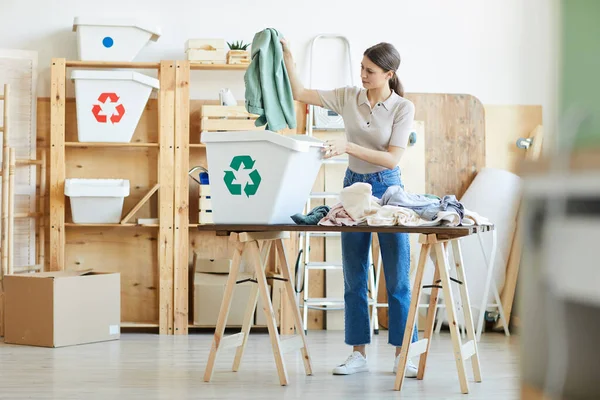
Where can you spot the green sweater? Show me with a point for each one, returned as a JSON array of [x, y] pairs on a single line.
[[268, 88]]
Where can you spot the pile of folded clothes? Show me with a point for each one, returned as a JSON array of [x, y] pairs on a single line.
[[357, 206]]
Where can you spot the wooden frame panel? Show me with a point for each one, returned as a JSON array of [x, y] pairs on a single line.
[[144, 255], [182, 165], [58, 73], [166, 166]]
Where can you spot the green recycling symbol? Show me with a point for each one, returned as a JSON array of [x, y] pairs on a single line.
[[236, 188]]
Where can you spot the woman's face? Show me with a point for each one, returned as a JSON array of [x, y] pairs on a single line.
[[373, 76]]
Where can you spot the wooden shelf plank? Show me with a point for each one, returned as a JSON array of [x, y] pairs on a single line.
[[153, 65], [197, 146], [113, 64], [109, 144], [138, 325], [218, 67], [111, 225]]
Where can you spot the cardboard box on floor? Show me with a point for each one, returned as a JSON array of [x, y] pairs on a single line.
[[215, 266], [208, 296], [63, 308]]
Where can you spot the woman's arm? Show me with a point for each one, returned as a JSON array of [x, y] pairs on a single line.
[[301, 94], [388, 159]]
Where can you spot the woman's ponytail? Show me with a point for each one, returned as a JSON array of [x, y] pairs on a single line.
[[396, 85]]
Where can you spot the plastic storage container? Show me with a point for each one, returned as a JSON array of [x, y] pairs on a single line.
[[110, 39], [260, 177], [96, 201], [110, 103]]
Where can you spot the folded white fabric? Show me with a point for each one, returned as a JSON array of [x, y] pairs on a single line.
[[473, 218], [445, 218], [392, 215], [358, 201]]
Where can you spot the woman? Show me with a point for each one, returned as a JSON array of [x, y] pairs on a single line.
[[378, 121]]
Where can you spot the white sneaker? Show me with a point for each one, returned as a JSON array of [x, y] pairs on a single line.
[[411, 369], [356, 362]]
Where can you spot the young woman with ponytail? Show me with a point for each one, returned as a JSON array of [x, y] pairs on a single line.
[[378, 121]]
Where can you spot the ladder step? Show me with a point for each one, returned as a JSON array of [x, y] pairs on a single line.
[[323, 301], [324, 195], [426, 305], [417, 348], [293, 344], [323, 265], [468, 350], [235, 340]]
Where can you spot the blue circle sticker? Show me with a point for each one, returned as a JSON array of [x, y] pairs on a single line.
[[108, 41]]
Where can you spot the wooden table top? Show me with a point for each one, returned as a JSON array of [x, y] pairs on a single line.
[[455, 231]]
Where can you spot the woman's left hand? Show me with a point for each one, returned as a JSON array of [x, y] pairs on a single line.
[[335, 147]]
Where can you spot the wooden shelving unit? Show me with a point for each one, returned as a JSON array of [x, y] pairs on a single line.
[[93, 245], [153, 259]]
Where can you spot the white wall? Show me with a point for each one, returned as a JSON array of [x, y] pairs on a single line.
[[503, 52]]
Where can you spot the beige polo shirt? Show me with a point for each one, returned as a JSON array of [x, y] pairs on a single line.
[[388, 123]]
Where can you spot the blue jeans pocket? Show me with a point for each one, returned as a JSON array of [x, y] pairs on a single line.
[[392, 180]]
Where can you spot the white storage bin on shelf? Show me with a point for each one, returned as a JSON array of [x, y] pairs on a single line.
[[110, 103], [260, 177], [96, 201], [110, 39]]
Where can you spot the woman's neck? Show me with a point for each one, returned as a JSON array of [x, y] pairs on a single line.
[[379, 94]]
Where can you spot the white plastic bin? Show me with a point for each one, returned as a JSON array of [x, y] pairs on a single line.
[[96, 201], [112, 39], [260, 177], [110, 103]]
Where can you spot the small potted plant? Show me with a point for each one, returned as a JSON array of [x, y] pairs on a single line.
[[238, 53]]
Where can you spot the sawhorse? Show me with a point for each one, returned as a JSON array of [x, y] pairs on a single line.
[[249, 242], [441, 280]]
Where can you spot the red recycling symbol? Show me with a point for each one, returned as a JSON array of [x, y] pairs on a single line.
[[119, 109]]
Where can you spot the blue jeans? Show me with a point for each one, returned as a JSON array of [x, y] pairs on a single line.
[[395, 251]]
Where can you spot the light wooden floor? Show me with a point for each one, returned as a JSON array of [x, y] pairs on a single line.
[[148, 366]]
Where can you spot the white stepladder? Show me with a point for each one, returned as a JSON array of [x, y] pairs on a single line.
[[321, 119]]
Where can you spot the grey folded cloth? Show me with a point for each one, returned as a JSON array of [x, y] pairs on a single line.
[[426, 206], [448, 203], [313, 217]]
